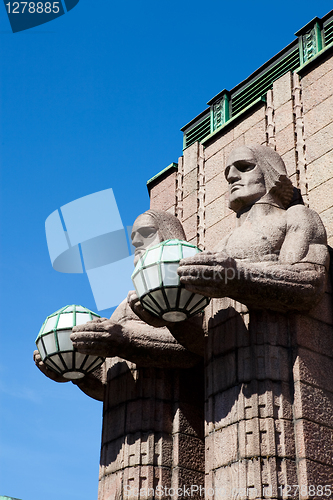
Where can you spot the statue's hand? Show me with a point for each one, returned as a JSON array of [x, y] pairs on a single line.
[[208, 273], [99, 337], [136, 306], [47, 371]]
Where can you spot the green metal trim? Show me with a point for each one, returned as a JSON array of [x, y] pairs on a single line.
[[261, 99], [325, 50], [219, 110], [311, 42], [195, 119], [162, 172], [328, 33]]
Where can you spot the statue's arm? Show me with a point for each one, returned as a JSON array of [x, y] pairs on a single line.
[[127, 336], [92, 384], [189, 333], [295, 281]]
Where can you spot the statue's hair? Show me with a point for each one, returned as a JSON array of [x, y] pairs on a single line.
[[169, 227], [275, 173]]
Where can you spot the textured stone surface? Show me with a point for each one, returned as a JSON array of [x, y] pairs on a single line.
[[327, 218], [250, 397], [257, 133], [290, 162], [251, 121], [215, 165], [321, 170], [217, 145], [216, 211], [282, 90], [284, 116], [190, 158], [190, 204], [318, 91], [190, 183], [321, 197], [216, 187], [163, 194], [318, 117], [285, 139]]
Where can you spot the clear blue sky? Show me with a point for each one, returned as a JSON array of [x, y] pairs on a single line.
[[92, 100]]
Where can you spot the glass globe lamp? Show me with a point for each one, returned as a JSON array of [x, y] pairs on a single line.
[[56, 348], [158, 286]]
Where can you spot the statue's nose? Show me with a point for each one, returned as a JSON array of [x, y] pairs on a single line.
[[233, 174], [137, 240]]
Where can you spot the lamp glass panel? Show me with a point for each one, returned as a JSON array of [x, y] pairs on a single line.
[[189, 251], [80, 309], [171, 252], [153, 256], [93, 365], [139, 284], [68, 359], [49, 342], [158, 296], [150, 309], [94, 316], [41, 349], [147, 300], [169, 274], [184, 297], [199, 307], [49, 363], [171, 294], [73, 375], [56, 359], [65, 343], [79, 358], [82, 318], [195, 300], [50, 324], [152, 277], [65, 321]]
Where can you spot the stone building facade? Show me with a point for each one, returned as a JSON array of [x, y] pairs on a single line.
[[269, 376]]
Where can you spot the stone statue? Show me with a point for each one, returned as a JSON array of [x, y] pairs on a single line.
[[152, 388], [277, 257], [265, 351]]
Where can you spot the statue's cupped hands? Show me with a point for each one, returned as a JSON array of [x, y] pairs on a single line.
[[208, 273], [99, 337]]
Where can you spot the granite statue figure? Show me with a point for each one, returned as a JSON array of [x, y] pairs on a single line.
[[150, 410]]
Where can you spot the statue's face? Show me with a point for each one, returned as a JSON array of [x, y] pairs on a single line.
[[144, 235], [246, 179]]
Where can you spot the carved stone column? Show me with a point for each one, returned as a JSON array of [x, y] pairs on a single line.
[[249, 433], [152, 440]]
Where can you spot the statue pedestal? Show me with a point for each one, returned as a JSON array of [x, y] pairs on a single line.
[[269, 402], [152, 440]]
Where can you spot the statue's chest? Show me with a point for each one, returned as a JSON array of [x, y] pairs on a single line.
[[257, 240]]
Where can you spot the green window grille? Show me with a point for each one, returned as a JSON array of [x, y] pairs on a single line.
[[198, 132], [264, 82], [311, 39], [328, 33]]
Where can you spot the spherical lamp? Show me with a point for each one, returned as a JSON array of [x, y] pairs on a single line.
[[56, 348], [158, 286]]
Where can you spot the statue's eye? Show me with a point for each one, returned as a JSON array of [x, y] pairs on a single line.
[[245, 166], [147, 232]]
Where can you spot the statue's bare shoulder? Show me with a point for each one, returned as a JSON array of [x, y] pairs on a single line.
[[306, 239], [300, 217]]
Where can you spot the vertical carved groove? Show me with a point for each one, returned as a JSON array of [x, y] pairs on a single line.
[[201, 200], [270, 122], [299, 139], [179, 190]]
